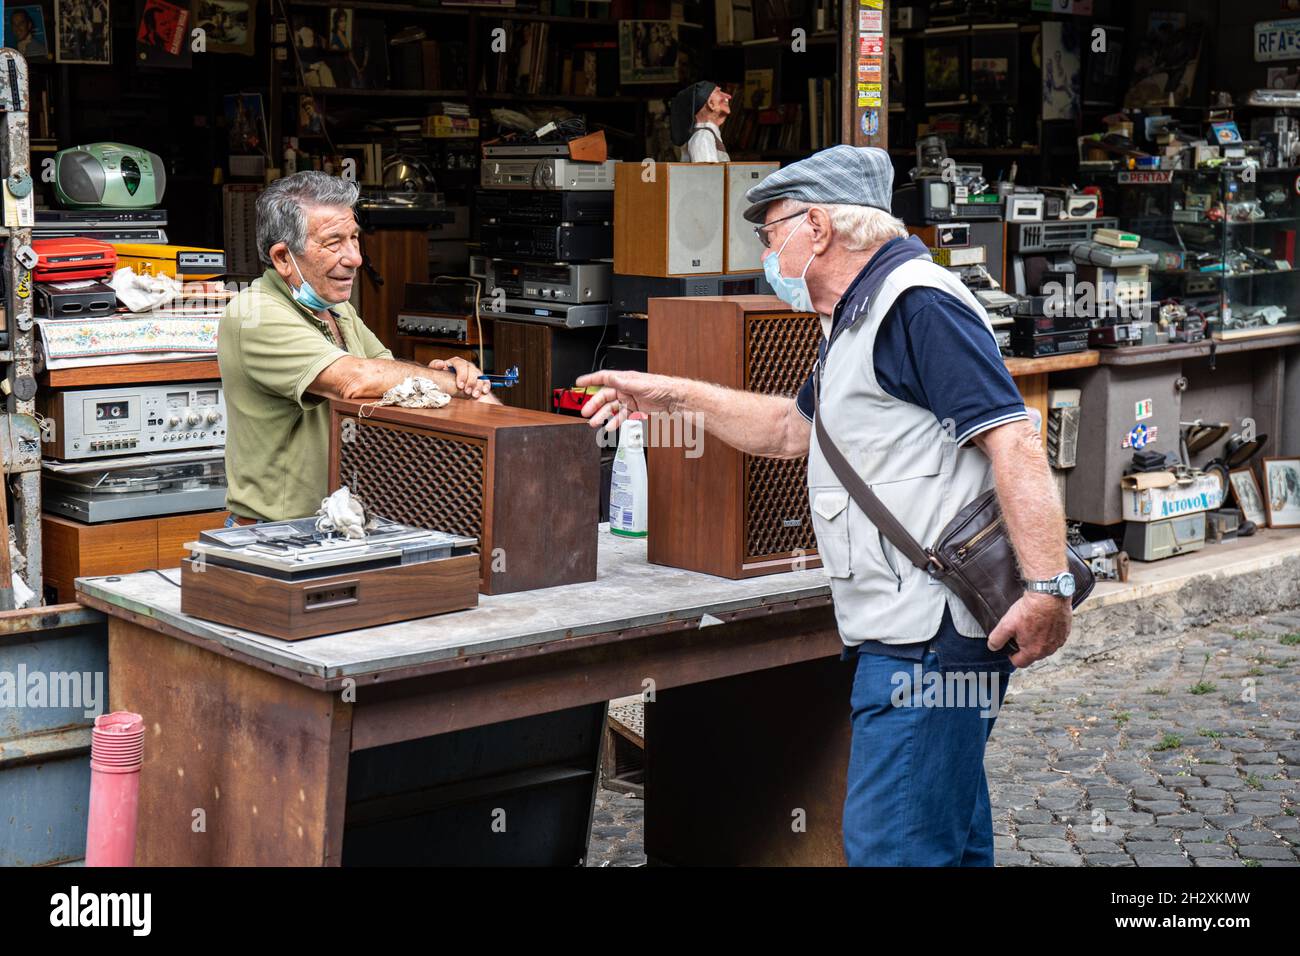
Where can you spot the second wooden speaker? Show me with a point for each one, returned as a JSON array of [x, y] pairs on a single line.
[[712, 508]]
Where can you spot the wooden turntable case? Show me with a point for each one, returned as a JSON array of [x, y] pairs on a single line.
[[725, 512], [525, 483]]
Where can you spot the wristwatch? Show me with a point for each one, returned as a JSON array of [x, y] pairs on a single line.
[[1060, 586]]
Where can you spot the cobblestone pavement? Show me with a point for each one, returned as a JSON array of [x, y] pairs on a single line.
[[1186, 754], [616, 830]]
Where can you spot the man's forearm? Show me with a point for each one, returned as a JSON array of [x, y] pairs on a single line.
[[757, 424], [1031, 505], [370, 378]]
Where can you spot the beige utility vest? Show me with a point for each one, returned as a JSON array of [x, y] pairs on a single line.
[[909, 459]]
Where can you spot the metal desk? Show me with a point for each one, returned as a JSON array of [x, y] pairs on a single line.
[[474, 736]]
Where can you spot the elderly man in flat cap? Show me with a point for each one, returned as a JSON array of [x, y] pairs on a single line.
[[912, 390]]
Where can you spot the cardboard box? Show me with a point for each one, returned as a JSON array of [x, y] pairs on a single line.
[[1155, 495]]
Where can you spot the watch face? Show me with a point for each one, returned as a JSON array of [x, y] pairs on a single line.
[[1066, 584]]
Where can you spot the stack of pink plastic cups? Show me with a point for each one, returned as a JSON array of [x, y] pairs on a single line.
[[116, 754]]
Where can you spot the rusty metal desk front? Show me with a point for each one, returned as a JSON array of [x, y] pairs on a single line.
[[474, 737]]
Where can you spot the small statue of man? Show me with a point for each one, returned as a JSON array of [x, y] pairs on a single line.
[[695, 122]]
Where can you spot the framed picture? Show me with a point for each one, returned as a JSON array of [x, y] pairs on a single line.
[[647, 51], [1246, 490], [246, 122], [993, 66], [26, 33], [897, 92], [162, 34], [1282, 492], [1062, 86], [945, 71], [81, 32], [229, 24]]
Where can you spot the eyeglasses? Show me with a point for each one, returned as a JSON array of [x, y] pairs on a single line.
[[761, 231]]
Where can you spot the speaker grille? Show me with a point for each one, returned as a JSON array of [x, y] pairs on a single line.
[[420, 478], [779, 353]]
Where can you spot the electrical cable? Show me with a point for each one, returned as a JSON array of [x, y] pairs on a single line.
[[478, 319]]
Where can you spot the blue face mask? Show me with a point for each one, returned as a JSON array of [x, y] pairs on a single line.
[[306, 295], [793, 291]]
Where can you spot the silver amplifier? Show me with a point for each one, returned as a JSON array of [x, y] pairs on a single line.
[[546, 173], [550, 281], [111, 422], [575, 316], [433, 326]]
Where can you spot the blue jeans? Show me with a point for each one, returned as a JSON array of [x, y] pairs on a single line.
[[917, 795]]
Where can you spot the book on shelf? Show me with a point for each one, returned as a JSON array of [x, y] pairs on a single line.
[[734, 20]]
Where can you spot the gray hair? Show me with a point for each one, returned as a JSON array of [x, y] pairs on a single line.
[[861, 227], [282, 208]]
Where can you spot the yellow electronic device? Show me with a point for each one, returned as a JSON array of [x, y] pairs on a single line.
[[179, 262]]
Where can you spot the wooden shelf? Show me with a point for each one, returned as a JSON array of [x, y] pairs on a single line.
[[1019, 367], [487, 13], [462, 95], [1149, 354], [972, 151], [133, 374], [346, 91], [387, 7]]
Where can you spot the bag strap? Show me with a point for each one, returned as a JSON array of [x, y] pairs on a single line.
[[864, 497]]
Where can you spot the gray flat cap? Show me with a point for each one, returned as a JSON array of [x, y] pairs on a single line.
[[854, 175]]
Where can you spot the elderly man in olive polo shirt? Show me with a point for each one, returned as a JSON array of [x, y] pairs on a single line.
[[291, 340]]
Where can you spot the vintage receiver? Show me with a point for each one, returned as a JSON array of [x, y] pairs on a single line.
[[524, 483], [558, 243], [721, 511], [672, 224], [546, 173], [743, 252], [136, 419], [545, 207], [437, 325], [549, 281]]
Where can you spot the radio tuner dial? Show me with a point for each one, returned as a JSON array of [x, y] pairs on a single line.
[[173, 421], [192, 418], [213, 416]]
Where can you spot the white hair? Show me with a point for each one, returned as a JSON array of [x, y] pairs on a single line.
[[862, 227]]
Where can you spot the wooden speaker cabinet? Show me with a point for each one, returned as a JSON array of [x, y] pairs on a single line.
[[524, 483], [670, 225], [723, 512]]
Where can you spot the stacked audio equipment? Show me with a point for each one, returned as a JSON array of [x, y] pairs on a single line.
[[546, 234], [524, 483], [680, 230], [130, 474], [712, 508]]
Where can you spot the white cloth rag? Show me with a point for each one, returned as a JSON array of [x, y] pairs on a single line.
[[415, 392], [142, 293], [342, 514]]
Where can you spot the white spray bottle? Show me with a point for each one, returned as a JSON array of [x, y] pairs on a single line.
[[628, 490]]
